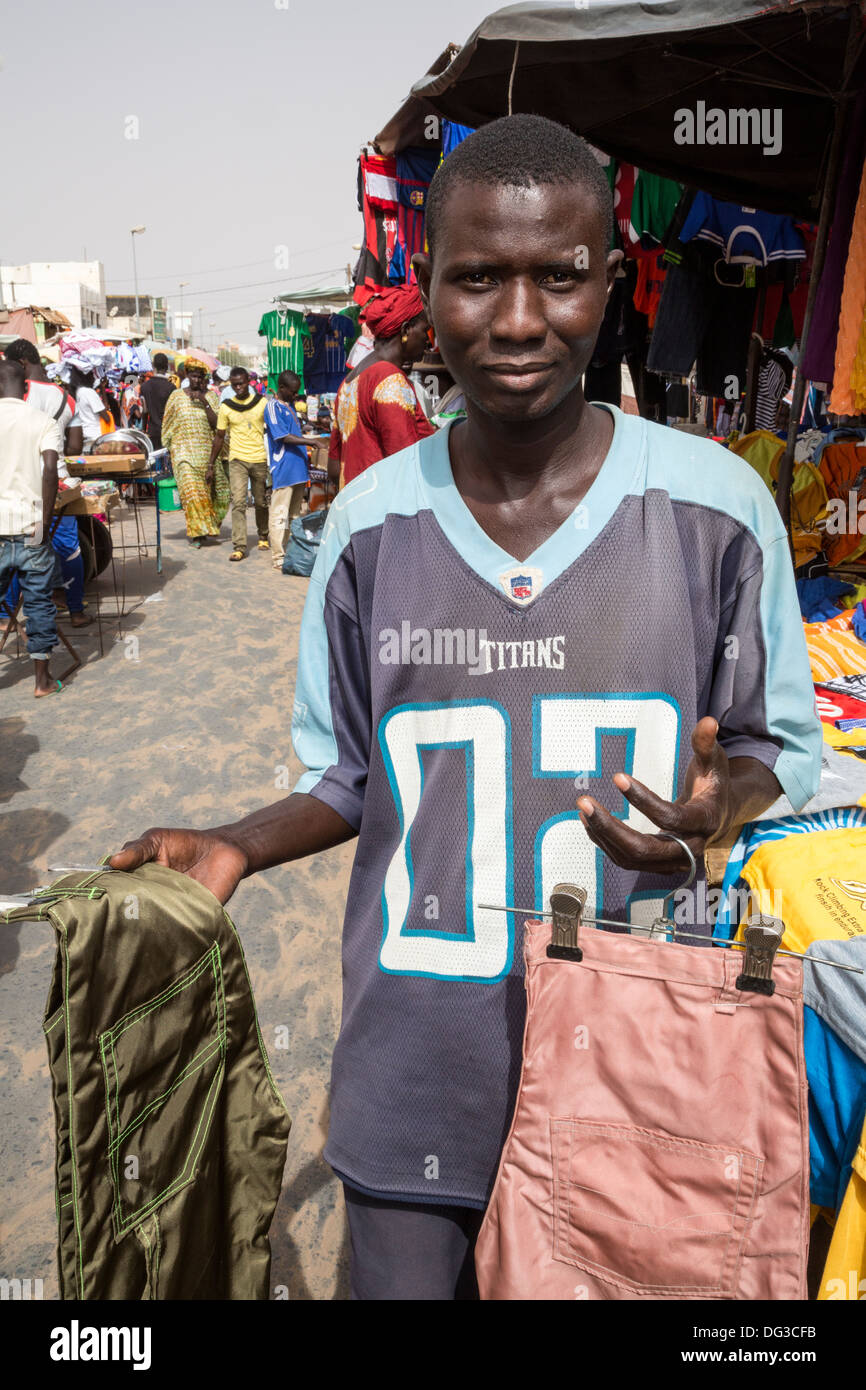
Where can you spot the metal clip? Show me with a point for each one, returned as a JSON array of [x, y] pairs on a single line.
[[567, 902], [763, 937]]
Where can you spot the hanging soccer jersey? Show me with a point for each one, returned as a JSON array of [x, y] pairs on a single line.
[[285, 331], [743, 235]]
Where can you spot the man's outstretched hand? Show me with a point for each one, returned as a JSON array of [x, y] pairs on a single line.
[[697, 817], [201, 854]]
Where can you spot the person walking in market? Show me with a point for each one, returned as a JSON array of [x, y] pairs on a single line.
[[188, 426], [30, 445], [242, 419], [289, 462], [155, 394]]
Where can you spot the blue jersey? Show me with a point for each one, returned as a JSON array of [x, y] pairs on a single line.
[[288, 463], [745, 236], [448, 697]]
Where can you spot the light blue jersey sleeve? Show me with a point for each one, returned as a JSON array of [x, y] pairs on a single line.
[[331, 716], [762, 692]]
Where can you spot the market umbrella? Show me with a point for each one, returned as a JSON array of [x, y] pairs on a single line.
[[622, 73], [201, 356], [619, 71]]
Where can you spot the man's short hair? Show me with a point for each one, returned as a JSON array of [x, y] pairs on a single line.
[[239, 371], [23, 351], [13, 377], [160, 362], [288, 379], [519, 152]]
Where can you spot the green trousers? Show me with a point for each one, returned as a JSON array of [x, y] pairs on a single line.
[[171, 1133]]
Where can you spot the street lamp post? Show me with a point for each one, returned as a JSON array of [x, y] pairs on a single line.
[[181, 286], [212, 336], [134, 232]]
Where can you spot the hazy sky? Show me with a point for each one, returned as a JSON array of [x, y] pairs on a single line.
[[250, 118]]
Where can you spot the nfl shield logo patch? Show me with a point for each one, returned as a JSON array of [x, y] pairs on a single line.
[[522, 585]]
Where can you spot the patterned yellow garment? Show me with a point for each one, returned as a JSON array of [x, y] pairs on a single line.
[[835, 649], [395, 390], [187, 434]]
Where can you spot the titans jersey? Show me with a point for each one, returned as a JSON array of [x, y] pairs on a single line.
[[449, 696]]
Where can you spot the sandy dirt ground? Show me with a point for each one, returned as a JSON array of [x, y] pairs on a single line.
[[184, 721]]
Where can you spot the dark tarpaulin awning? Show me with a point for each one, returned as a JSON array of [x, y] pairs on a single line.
[[408, 125], [618, 71]]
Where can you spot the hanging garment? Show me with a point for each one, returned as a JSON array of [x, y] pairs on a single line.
[[286, 331], [820, 881], [820, 350], [772, 385], [453, 135], [171, 1134], [415, 169], [653, 205], [659, 1146], [842, 463], [743, 235], [701, 320], [848, 396]]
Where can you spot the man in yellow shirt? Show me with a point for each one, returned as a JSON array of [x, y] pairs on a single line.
[[242, 417]]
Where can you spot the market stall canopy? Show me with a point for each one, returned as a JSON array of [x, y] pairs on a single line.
[[622, 72], [338, 295], [408, 125]]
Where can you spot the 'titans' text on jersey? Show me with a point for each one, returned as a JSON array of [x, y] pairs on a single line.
[[418, 646], [462, 789]]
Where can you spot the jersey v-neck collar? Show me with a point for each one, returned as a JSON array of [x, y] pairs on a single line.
[[616, 478]]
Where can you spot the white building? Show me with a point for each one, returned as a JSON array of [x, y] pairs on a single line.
[[75, 288]]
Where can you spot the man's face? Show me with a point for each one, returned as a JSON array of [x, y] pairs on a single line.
[[518, 289], [240, 384]]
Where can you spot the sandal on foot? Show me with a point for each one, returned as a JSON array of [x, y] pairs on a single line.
[[238, 555], [52, 690], [264, 545]]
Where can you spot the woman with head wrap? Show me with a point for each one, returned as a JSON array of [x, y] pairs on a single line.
[[377, 412], [187, 431]]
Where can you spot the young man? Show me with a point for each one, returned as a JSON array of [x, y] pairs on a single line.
[[288, 460], [155, 393], [49, 397], [55, 402], [545, 589], [30, 443], [242, 417]]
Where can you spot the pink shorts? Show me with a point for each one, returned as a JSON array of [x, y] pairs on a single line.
[[659, 1146]]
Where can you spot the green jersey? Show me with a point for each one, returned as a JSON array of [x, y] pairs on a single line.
[[285, 331]]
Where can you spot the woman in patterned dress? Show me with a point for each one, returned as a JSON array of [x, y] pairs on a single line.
[[187, 430], [377, 412]]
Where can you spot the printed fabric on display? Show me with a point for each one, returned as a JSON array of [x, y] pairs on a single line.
[[659, 1146], [820, 879], [171, 1133]]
